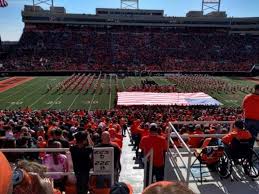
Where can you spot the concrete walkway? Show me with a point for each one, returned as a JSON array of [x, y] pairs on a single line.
[[132, 172]]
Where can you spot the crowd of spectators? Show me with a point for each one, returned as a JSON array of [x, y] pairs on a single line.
[[75, 129], [58, 47]]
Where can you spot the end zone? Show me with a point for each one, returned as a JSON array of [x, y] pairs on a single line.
[[13, 82]]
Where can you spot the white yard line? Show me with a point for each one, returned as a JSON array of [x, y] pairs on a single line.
[[92, 98], [43, 96], [91, 102], [25, 96], [73, 102], [152, 78], [55, 101], [122, 81], [36, 101], [110, 92]]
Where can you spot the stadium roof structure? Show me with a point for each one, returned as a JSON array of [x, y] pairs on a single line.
[[129, 4], [40, 2], [211, 5], [141, 18]]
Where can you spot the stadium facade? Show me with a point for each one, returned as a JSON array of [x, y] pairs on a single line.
[[143, 18]]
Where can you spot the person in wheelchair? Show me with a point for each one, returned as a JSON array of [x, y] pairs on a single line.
[[233, 139], [238, 150], [210, 151], [239, 132]]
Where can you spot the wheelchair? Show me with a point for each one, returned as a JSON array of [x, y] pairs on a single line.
[[239, 153]]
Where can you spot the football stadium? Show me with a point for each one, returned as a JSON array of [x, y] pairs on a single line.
[[128, 100]]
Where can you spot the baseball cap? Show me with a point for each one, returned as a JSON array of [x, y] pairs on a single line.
[[121, 188], [153, 127]]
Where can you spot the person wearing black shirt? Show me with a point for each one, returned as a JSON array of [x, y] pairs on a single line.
[[106, 142], [81, 155]]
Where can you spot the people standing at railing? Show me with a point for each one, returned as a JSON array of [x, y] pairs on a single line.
[[82, 161], [251, 112], [159, 145], [57, 162]]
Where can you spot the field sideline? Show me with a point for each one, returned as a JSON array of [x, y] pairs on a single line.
[[33, 94]]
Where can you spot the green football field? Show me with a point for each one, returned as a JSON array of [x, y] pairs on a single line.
[[34, 94]]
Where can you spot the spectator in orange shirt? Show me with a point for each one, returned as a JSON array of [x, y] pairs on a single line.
[[114, 139], [139, 132], [159, 146], [238, 132], [134, 132], [251, 112], [195, 142], [145, 131]]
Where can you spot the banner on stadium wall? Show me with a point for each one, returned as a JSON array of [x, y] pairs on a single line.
[[180, 99]]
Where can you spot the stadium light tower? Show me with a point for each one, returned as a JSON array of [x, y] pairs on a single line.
[[211, 5], [45, 2], [129, 4]]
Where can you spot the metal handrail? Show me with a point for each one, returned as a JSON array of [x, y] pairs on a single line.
[[178, 152], [200, 135], [179, 137], [188, 150], [185, 146], [150, 155], [59, 173]]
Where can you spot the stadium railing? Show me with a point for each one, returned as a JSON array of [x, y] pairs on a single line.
[[172, 154], [148, 157], [50, 150]]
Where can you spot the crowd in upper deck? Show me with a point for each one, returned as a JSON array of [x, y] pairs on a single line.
[[57, 47]]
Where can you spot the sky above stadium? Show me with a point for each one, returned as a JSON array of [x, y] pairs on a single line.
[[11, 22]]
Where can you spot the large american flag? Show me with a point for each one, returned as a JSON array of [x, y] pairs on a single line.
[[180, 99], [3, 3]]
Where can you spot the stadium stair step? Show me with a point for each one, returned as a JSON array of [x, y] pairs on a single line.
[[132, 172]]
